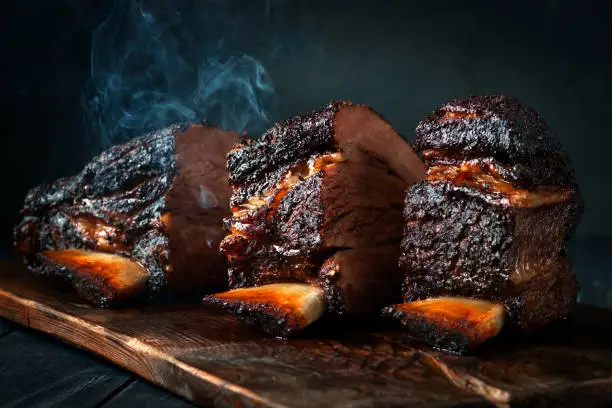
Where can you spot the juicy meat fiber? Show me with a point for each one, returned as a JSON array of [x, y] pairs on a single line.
[[492, 218], [311, 200], [157, 201]]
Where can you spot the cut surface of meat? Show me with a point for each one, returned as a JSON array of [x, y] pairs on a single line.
[[359, 281], [158, 200], [318, 200], [492, 219]]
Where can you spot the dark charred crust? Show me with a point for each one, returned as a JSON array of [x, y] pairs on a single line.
[[501, 128], [460, 243], [440, 337], [287, 142], [142, 157], [453, 242], [299, 217], [123, 200], [329, 278], [275, 246], [497, 233], [309, 188], [152, 251], [550, 296], [253, 256], [99, 193], [243, 192]]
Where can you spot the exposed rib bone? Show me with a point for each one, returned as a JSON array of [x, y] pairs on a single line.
[[450, 323], [281, 309], [99, 277]]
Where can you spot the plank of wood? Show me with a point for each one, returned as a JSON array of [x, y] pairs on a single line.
[[570, 355], [144, 394], [37, 370], [211, 358]]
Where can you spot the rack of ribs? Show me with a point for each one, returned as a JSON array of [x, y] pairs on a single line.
[[484, 234], [144, 218], [316, 219]]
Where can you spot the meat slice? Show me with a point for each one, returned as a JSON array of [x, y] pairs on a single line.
[[156, 202], [318, 200], [492, 218]]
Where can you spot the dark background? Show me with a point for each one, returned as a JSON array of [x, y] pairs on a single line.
[[403, 58]]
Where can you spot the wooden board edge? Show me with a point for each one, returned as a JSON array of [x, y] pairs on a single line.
[[468, 382], [512, 395], [157, 367], [202, 387]]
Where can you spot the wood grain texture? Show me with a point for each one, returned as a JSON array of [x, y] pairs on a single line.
[[571, 355], [39, 371], [213, 359]]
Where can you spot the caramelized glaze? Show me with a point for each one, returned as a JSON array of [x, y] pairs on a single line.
[[484, 176]]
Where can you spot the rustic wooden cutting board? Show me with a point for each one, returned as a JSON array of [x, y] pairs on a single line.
[[213, 359]]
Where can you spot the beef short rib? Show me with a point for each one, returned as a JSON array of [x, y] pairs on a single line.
[[492, 218], [318, 200], [156, 202]]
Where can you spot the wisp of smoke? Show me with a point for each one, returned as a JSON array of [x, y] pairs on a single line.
[[148, 72]]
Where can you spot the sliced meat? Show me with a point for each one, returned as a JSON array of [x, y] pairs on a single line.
[[359, 282], [493, 216], [158, 200], [312, 200]]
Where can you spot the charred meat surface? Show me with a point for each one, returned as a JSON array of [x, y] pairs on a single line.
[[318, 200], [501, 134], [158, 200], [492, 218]]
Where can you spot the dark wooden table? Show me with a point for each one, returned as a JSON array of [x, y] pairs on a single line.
[[37, 370]]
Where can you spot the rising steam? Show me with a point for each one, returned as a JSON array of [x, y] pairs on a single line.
[[149, 70]]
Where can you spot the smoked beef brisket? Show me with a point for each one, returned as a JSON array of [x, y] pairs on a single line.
[[492, 218], [145, 216], [318, 200]]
